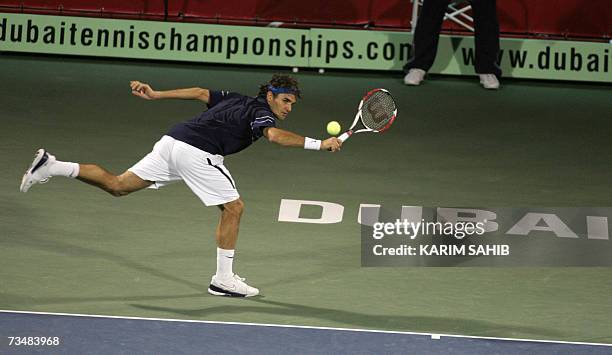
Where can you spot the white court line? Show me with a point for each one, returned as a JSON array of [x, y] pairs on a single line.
[[302, 327]]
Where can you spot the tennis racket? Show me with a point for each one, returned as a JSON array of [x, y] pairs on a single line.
[[376, 113]]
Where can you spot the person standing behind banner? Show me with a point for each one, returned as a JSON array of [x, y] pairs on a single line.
[[427, 34]]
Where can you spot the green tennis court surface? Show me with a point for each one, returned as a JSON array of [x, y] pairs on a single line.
[[67, 247]]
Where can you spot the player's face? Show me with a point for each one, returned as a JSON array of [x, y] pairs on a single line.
[[281, 104]]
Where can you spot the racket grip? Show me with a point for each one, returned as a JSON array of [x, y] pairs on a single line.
[[344, 136]]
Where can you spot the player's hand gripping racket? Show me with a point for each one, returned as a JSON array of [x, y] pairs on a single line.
[[376, 113]]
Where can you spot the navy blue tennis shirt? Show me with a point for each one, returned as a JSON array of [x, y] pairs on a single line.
[[231, 123]]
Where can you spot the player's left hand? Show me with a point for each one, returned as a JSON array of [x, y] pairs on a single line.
[[142, 90], [332, 144]]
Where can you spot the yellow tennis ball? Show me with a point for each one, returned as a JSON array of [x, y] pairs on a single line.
[[333, 128]]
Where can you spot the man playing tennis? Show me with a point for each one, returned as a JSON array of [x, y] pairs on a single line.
[[193, 152]]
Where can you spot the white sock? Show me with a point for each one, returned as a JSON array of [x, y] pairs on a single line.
[[62, 168], [225, 259]]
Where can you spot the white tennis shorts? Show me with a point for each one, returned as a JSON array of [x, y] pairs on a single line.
[[172, 160]]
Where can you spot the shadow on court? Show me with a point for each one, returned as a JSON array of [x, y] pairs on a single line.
[[356, 319], [68, 249], [26, 300], [43, 238]]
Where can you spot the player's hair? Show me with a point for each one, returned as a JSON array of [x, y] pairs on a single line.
[[284, 83]]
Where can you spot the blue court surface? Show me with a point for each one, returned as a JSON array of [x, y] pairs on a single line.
[[91, 334]]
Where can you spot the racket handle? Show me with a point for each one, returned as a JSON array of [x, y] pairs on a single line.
[[344, 136]]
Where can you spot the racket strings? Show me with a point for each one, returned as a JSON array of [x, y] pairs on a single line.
[[378, 110]]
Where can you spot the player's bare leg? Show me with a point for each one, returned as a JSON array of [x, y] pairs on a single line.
[[225, 282], [229, 223], [120, 185], [46, 166]]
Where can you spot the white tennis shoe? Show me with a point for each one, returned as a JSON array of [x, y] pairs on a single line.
[[233, 286], [414, 76], [489, 81], [38, 173]]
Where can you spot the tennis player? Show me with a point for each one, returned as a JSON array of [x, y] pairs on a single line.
[[193, 152]]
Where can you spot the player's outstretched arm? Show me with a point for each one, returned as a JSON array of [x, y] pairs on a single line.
[[146, 92], [290, 139]]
